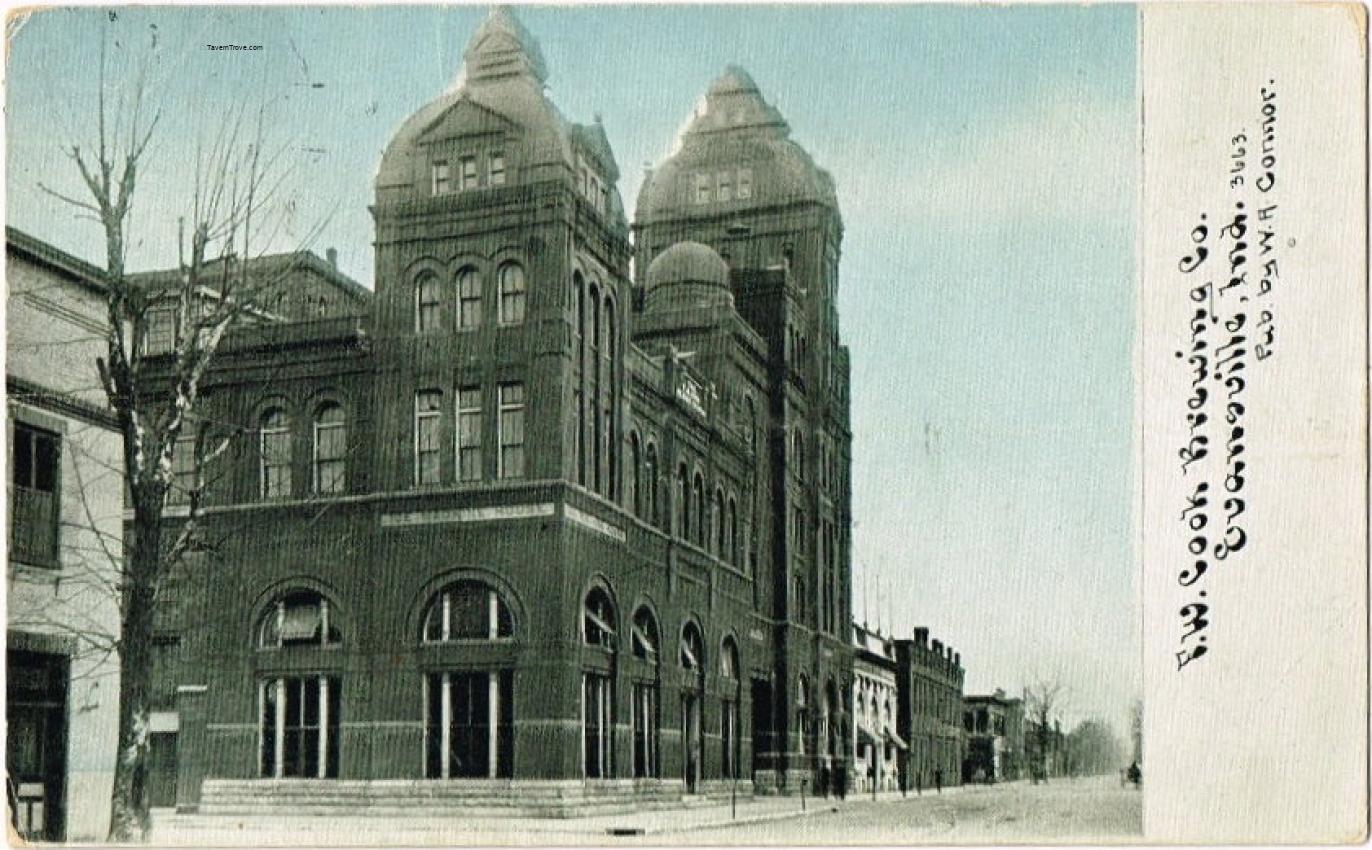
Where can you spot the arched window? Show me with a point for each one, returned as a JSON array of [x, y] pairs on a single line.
[[682, 507], [598, 619], [511, 277], [728, 716], [692, 649], [802, 713], [595, 475], [730, 552], [633, 482], [577, 295], [717, 523], [607, 350], [597, 708], [650, 497], [644, 721], [468, 298], [467, 610], [700, 510], [275, 451], [330, 449], [298, 618], [428, 303], [798, 453]]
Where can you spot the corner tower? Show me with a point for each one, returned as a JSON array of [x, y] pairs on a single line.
[[740, 185], [489, 203]]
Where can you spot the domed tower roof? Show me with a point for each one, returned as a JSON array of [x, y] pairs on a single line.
[[687, 275], [737, 130], [500, 87]]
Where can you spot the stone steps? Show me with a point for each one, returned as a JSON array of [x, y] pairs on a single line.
[[442, 798]]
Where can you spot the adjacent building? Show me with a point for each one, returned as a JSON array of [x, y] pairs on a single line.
[[995, 738], [525, 529], [879, 751], [930, 678], [65, 514]]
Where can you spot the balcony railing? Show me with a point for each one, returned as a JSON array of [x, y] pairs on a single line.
[[33, 526]]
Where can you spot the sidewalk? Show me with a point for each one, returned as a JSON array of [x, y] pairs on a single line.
[[171, 829]]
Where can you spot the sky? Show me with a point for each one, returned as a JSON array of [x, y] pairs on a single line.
[[985, 159]]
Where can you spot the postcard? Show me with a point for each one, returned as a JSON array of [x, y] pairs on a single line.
[[732, 424]]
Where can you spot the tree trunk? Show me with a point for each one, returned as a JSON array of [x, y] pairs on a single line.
[[129, 820]]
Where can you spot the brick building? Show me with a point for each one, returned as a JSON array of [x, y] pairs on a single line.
[[930, 710], [994, 725], [527, 531], [65, 520]]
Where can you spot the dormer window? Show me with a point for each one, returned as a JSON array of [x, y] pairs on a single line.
[[745, 184], [496, 169], [726, 186], [442, 178], [702, 188], [468, 173]]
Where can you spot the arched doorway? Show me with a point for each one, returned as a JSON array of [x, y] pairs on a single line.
[[692, 700]]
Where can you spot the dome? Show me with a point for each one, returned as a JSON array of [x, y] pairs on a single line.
[[500, 87], [688, 275], [734, 152]]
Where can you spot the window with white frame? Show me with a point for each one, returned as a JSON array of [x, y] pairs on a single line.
[[274, 450], [467, 610], [159, 335], [468, 298], [428, 303], [495, 169], [468, 173], [428, 406], [330, 450], [299, 727], [512, 294], [469, 434], [298, 618], [469, 724], [442, 178], [510, 425], [745, 184]]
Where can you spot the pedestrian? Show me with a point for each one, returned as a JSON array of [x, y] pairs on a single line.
[[938, 780]]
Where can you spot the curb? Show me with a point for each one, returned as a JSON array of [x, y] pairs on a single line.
[[743, 821]]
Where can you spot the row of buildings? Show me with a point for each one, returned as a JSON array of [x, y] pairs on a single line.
[[557, 518]]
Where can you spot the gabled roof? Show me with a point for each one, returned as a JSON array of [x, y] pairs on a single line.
[[36, 250]]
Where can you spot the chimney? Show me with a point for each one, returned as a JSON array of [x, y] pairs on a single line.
[[957, 659], [922, 637], [938, 647], [332, 255]]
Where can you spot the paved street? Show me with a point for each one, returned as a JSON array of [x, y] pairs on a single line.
[[1082, 810], [1065, 811]]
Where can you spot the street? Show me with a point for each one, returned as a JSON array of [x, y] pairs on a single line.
[[1078, 810]]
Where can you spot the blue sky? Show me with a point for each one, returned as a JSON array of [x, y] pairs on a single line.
[[985, 159]]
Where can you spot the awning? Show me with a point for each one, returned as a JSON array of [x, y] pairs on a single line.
[[896, 739]]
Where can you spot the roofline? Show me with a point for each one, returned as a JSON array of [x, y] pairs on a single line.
[[304, 259], [85, 273]]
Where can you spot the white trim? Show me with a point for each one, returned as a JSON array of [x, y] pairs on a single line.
[[594, 523], [163, 721], [488, 514]]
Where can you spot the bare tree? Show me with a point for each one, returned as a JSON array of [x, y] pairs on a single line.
[[153, 394], [1043, 698], [1136, 730]]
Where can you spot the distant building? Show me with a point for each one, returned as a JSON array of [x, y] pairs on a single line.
[[878, 748], [930, 710], [995, 738], [66, 505]]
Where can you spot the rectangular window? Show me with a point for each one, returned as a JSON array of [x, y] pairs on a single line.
[[511, 427], [468, 298], [596, 725], [496, 169], [726, 186], [468, 173], [745, 183], [330, 451], [512, 292], [299, 725], [469, 434], [159, 337], [702, 189], [275, 447], [427, 412], [183, 471], [645, 729], [468, 725], [442, 179], [34, 508]]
